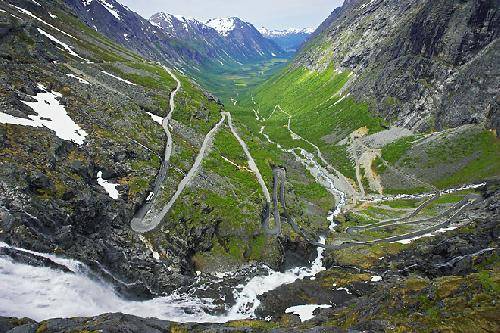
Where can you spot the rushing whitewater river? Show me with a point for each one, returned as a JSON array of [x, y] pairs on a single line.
[[42, 293]]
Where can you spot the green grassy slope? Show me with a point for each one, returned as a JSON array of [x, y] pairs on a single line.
[[320, 113], [325, 115]]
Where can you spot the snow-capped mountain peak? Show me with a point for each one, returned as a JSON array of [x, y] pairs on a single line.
[[166, 20], [223, 25], [288, 39]]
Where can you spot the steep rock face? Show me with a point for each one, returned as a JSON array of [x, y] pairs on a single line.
[[50, 197], [127, 28], [425, 64], [334, 15]]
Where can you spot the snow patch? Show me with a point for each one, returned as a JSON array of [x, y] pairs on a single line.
[[165, 20], [222, 275], [344, 289], [50, 114], [30, 14], [57, 41], [222, 25], [83, 81], [430, 234], [109, 7], [284, 32], [108, 186], [376, 278], [119, 78], [155, 118], [305, 312]]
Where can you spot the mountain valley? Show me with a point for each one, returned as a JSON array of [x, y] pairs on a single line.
[[173, 175]]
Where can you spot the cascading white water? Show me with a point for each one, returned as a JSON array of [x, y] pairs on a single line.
[[247, 295], [42, 293]]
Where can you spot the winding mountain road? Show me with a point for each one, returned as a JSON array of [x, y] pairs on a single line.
[[137, 220], [323, 177], [153, 219], [448, 215], [150, 220], [279, 179], [400, 221], [251, 162]]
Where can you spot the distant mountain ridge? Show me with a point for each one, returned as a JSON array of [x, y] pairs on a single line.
[[288, 39], [129, 29], [184, 42], [284, 32], [224, 39]]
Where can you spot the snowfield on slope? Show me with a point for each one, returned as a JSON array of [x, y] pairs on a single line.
[[118, 78], [305, 312], [109, 7], [81, 80], [51, 114], [57, 41], [222, 25], [108, 186]]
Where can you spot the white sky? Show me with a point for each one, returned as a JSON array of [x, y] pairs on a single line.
[[273, 14]]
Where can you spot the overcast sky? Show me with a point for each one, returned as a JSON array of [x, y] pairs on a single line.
[[273, 14]]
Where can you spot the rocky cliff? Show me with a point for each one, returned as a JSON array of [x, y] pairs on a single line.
[[427, 65], [448, 283]]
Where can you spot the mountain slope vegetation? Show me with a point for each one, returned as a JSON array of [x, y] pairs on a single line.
[[354, 189]]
